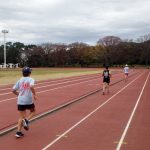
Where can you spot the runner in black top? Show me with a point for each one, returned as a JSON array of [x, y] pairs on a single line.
[[106, 79]]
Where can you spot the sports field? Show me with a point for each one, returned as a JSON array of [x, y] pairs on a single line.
[[72, 113], [8, 76]]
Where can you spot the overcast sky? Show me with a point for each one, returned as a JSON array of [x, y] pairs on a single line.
[[67, 21]]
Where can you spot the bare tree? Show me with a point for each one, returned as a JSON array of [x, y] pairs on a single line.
[[109, 40], [143, 38]]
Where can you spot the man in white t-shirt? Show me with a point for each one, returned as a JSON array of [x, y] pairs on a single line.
[[24, 89], [126, 72]]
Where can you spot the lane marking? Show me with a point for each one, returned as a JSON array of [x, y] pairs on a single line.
[[65, 82], [131, 116], [94, 84], [65, 136], [59, 80], [53, 89], [123, 143], [69, 78], [41, 91], [87, 116], [66, 86], [52, 85], [5, 131], [54, 80], [9, 99], [74, 79], [49, 90]]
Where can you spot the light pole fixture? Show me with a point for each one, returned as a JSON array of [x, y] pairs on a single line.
[[4, 31]]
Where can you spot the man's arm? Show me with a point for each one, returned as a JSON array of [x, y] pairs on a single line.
[[110, 74], [15, 92]]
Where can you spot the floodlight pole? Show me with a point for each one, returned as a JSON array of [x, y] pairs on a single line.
[[4, 31]]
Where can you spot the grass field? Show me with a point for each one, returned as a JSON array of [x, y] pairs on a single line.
[[10, 76]]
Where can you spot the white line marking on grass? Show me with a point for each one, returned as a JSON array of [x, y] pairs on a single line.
[[132, 114], [66, 132]]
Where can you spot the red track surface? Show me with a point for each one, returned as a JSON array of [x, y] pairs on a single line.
[[96, 123]]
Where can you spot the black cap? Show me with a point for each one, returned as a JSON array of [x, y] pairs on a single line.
[[26, 70]]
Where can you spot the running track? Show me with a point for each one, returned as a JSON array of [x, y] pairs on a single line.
[[119, 120]]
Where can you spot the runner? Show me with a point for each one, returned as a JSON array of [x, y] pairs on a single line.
[[126, 72], [24, 89], [106, 80]]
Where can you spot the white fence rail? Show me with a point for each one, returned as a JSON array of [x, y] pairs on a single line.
[[9, 65]]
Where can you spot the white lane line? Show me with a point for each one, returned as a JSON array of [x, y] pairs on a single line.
[[83, 78], [5, 93], [49, 111], [50, 89], [87, 116], [50, 85], [131, 117], [59, 80], [64, 82], [66, 86], [54, 89], [8, 99]]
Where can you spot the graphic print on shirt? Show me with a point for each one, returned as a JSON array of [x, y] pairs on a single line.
[[24, 88], [106, 74]]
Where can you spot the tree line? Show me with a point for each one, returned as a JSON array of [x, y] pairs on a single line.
[[109, 50]]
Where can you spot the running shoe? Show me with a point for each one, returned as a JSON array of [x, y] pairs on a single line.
[[19, 134], [25, 124]]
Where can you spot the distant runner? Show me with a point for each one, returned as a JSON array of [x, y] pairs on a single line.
[[24, 89], [126, 72], [106, 80]]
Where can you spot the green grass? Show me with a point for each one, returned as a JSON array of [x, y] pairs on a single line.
[[10, 76]]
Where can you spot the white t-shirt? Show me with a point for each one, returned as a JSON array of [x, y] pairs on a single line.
[[23, 86], [106, 73], [126, 69]]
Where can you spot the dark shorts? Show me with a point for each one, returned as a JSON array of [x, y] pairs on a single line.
[[107, 80], [30, 107], [126, 74]]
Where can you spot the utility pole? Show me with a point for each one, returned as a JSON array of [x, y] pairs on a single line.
[[5, 32]]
